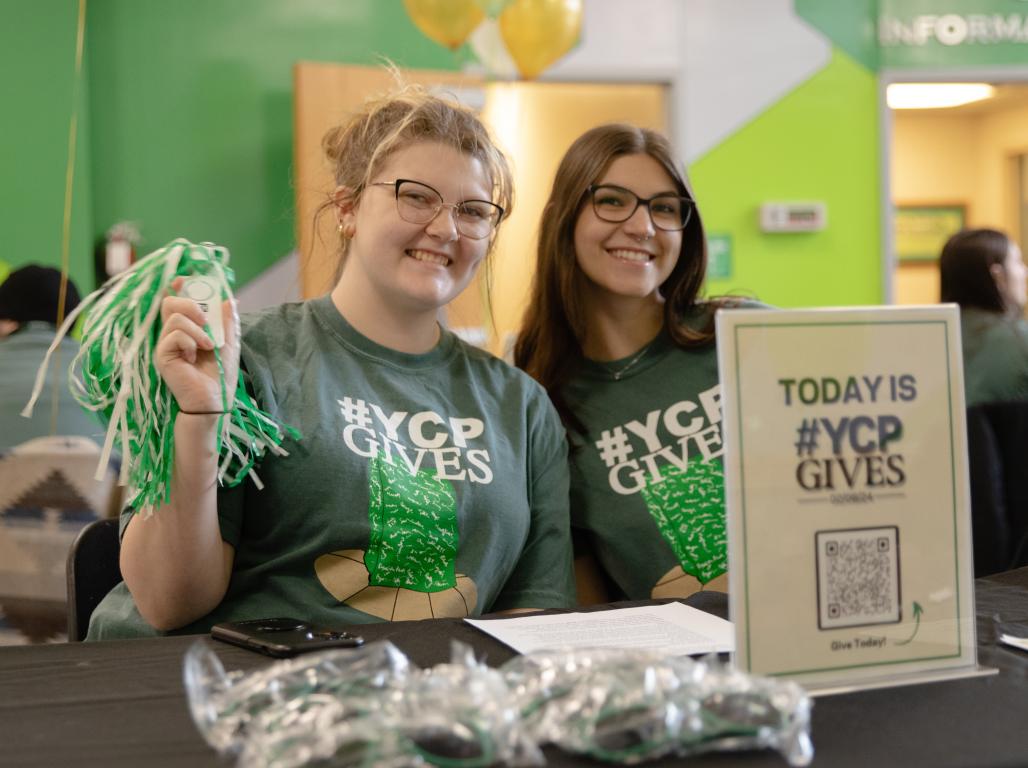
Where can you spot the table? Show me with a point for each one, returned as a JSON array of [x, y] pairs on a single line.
[[122, 703]]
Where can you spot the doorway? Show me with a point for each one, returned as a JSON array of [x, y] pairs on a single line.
[[946, 169]]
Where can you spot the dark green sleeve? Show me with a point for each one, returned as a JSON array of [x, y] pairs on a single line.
[[543, 576], [257, 380]]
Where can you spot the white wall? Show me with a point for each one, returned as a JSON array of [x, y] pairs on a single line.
[[726, 60]]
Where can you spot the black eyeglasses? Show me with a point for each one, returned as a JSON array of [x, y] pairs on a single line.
[[616, 204], [419, 203]]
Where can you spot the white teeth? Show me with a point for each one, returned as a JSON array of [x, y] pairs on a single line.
[[431, 258], [627, 255]]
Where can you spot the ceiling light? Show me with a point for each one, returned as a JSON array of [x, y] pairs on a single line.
[[935, 95]]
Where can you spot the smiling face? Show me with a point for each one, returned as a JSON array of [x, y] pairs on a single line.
[[412, 268], [630, 259]]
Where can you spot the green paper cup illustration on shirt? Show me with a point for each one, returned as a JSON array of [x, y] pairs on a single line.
[[689, 509], [413, 530], [409, 568]]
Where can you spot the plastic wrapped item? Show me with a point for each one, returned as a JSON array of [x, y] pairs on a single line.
[[631, 706], [358, 707], [289, 698], [463, 714], [367, 707], [740, 711]]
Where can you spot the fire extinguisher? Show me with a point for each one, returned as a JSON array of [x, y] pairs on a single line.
[[116, 251]]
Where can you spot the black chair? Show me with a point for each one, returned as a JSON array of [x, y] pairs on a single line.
[[997, 447], [93, 571]]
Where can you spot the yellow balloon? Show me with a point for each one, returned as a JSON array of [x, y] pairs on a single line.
[[538, 32], [448, 22]]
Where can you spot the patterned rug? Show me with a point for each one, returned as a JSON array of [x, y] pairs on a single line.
[[47, 494]]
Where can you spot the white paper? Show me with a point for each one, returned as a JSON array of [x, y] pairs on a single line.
[[671, 628], [1016, 642]]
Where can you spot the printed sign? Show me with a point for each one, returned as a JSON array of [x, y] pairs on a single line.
[[846, 493], [719, 256], [922, 230], [952, 33]]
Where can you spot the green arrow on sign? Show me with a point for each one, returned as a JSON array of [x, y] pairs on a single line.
[[918, 610]]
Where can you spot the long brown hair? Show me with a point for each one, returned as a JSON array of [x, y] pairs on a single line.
[[965, 269], [549, 344]]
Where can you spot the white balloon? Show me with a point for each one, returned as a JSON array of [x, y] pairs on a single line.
[[489, 48]]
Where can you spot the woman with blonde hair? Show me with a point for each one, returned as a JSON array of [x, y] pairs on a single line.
[[431, 479], [617, 334]]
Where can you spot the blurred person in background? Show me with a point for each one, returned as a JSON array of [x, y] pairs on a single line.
[[983, 271], [29, 299]]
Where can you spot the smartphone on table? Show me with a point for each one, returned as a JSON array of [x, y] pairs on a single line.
[[283, 637]]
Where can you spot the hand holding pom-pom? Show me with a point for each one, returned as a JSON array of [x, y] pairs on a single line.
[[138, 386], [186, 358]]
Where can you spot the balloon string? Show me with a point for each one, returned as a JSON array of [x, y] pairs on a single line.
[[69, 179]]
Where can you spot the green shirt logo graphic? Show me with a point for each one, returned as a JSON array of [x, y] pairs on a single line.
[[413, 518], [689, 508]]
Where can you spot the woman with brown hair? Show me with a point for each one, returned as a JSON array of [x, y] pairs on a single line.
[[983, 271], [617, 334], [431, 478]]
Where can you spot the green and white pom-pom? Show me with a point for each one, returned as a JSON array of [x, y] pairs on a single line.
[[118, 379]]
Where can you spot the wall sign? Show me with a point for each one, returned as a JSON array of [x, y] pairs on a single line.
[[922, 230], [847, 499], [948, 33], [719, 256]]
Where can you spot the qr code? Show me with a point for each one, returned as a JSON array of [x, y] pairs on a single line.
[[858, 577]]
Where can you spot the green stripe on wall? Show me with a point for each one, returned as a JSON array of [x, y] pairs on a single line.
[[850, 25], [818, 143]]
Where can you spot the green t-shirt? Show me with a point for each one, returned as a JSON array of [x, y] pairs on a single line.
[[995, 356], [647, 487], [424, 485]]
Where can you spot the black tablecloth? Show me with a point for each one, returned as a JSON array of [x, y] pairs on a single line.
[[123, 703]]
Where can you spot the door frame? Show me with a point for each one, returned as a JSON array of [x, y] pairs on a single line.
[[886, 77]]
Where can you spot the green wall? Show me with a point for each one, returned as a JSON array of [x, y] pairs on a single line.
[[820, 142], [192, 110], [186, 124], [37, 58]]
